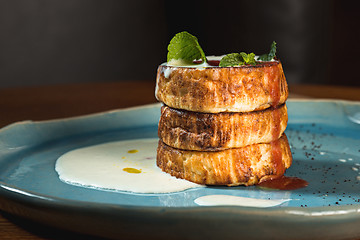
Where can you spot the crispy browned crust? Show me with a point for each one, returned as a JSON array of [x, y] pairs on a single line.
[[217, 131], [222, 89], [239, 166]]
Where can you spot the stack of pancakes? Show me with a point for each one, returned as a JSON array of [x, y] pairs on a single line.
[[223, 125]]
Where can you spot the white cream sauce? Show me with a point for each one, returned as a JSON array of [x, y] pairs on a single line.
[[131, 166], [123, 165], [228, 200], [181, 63]]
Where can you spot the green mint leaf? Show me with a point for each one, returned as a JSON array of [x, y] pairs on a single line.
[[271, 55], [264, 57], [185, 47], [272, 52], [237, 59], [248, 58], [230, 60]]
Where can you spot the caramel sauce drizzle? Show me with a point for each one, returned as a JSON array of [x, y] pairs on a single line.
[[278, 181], [274, 84]]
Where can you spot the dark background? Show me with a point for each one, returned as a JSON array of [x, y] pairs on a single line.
[[62, 41]]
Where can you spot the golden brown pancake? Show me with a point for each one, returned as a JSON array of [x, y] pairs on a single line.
[[217, 131], [222, 89], [238, 166]]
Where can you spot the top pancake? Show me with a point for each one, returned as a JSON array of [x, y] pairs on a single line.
[[222, 89]]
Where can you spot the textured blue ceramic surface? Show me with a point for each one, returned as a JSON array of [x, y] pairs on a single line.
[[324, 138]]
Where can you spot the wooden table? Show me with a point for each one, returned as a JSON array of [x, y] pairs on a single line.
[[49, 102]]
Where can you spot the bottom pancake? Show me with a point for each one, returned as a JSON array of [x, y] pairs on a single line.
[[238, 166]]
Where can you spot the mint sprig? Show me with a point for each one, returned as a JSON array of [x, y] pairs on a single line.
[[271, 55], [248, 58], [237, 59], [185, 47], [230, 60]]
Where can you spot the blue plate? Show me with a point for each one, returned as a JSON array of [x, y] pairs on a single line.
[[325, 142]]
